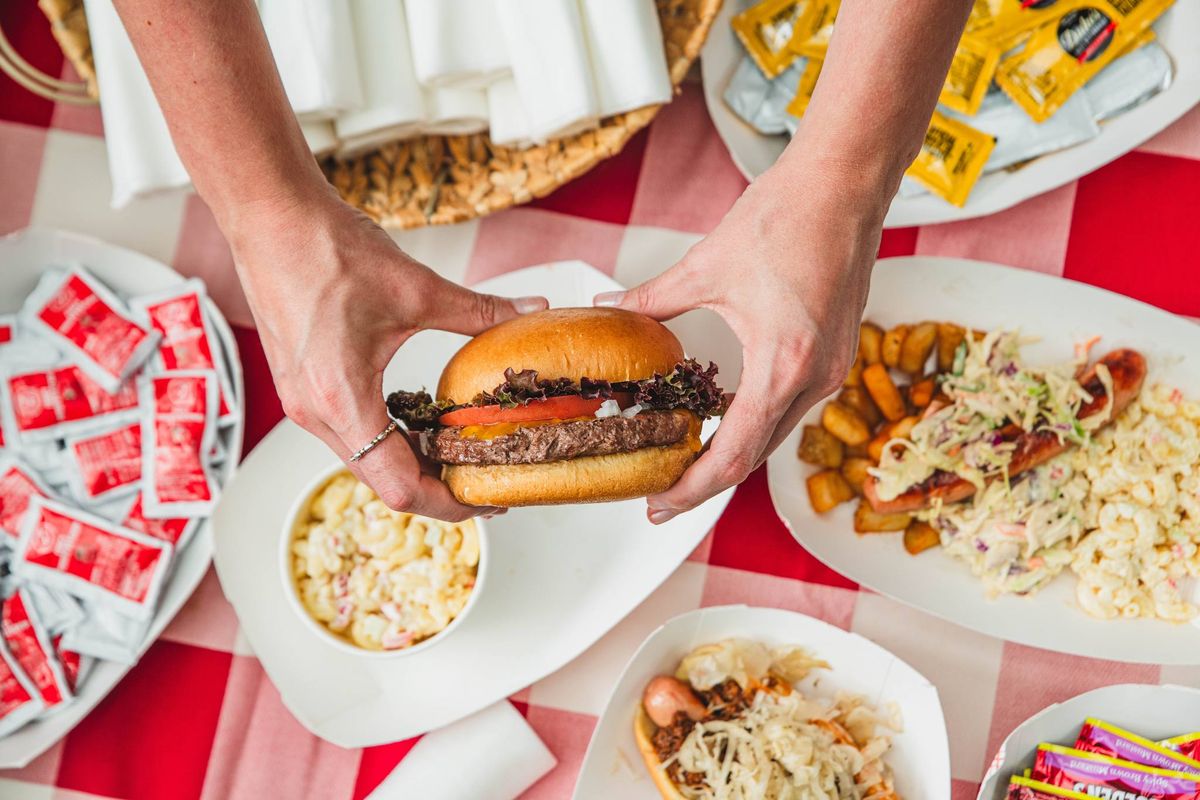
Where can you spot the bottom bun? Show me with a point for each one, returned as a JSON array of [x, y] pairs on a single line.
[[591, 479], [643, 733]]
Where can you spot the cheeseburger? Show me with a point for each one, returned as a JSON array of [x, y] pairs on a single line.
[[571, 405]]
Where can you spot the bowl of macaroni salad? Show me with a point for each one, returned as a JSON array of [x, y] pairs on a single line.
[[373, 581]]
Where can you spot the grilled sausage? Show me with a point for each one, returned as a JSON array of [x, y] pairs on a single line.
[[665, 697], [1128, 370]]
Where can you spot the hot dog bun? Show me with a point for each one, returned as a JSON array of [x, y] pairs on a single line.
[[643, 732]]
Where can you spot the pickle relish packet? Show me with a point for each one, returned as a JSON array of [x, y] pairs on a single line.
[[1099, 775]]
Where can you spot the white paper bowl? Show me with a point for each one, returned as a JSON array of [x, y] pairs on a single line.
[[920, 754], [1155, 712], [300, 506]]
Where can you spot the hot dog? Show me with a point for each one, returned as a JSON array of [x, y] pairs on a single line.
[[1128, 371], [665, 697]]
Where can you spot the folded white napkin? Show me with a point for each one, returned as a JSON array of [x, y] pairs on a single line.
[[320, 136], [508, 121], [313, 44], [455, 43], [491, 755], [455, 112], [629, 63], [393, 104], [141, 157], [550, 65]]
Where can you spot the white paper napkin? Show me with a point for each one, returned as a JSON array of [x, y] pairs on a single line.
[[393, 104], [490, 755], [455, 43], [141, 157], [550, 65], [628, 61], [313, 44], [508, 120], [456, 112]]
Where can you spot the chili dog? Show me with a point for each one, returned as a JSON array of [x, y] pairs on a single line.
[[1128, 371]]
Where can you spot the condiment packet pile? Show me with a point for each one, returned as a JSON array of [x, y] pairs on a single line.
[[109, 416], [1027, 79], [1109, 762]]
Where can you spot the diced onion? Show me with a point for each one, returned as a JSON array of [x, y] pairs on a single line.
[[609, 408], [632, 411]]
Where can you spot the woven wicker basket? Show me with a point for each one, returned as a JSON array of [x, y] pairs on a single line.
[[442, 179]]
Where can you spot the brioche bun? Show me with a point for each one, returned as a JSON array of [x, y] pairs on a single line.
[[643, 733]]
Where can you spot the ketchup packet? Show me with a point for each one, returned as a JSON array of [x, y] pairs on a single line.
[[75, 665], [30, 645], [107, 635], [8, 328], [177, 438], [188, 342], [88, 322], [1020, 788], [56, 610], [1099, 775], [49, 403], [107, 464], [1097, 736], [18, 346], [18, 484], [1188, 744], [178, 531], [19, 698], [82, 554]]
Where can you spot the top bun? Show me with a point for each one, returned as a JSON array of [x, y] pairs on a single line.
[[598, 343]]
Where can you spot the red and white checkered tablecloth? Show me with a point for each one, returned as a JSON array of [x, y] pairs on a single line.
[[198, 717]]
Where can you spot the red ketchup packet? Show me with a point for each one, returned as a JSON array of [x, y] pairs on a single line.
[[72, 662], [49, 403], [188, 341], [1028, 789], [1097, 736], [1104, 776], [106, 464], [18, 484], [178, 530], [19, 698], [30, 645], [89, 323], [102, 563], [177, 438]]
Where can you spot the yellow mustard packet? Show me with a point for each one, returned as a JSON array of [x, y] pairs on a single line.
[[951, 159], [804, 91], [812, 40], [1063, 55], [766, 29], [1004, 22], [970, 75]]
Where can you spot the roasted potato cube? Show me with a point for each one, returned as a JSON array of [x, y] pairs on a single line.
[[854, 376], [903, 428], [828, 489], [917, 346], [820, 447], [921, 392], [868, 521], [854, 470], [884, 392], [893, 430], [919, 537], [843, 423], [856, 451], [856, 397], [893, 341], [870, 342], [949, 337]]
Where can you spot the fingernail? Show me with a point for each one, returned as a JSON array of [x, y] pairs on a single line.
[[608, 299], [527, 305], [661, 515], [656, 503]]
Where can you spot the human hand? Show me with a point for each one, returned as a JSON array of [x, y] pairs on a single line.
[[788, 269], [334, 299]]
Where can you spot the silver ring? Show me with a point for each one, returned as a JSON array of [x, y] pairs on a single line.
[[386, 432]]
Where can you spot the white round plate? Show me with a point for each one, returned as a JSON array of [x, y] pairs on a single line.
[[560, 576], [920, 755], [1060, 312], [1152, 712], [23, 258], [1178, 31]]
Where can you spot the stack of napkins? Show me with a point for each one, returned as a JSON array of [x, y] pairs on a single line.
[[365, 72]]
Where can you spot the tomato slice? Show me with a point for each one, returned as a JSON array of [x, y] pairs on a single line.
[[565, 407]]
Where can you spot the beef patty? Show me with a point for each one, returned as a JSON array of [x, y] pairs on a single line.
[[541, 443]]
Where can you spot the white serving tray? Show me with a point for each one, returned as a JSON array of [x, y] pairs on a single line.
[[1061, 313], [559, 577], [920, 755], [1178, 31], [1153, 712], [23, 257]]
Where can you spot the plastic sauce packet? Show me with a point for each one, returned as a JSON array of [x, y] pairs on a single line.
[[761, 103], [97, 561], [952, 158], [50, 403], [1096, 774], [1063, 55], [57, 610], [1128, 81], [74, 665], [177, 531], [1020, 788], [767, 28], [19, 346], [811, 39], [30, 645], [1188, 744], [8, 328], [107, 635], [1005, 21], [177, 437], [1097, 736], [188, 342], [806, 87], [106, 464], [82, 317], [18, 485], [19, 698], [970, 75]]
